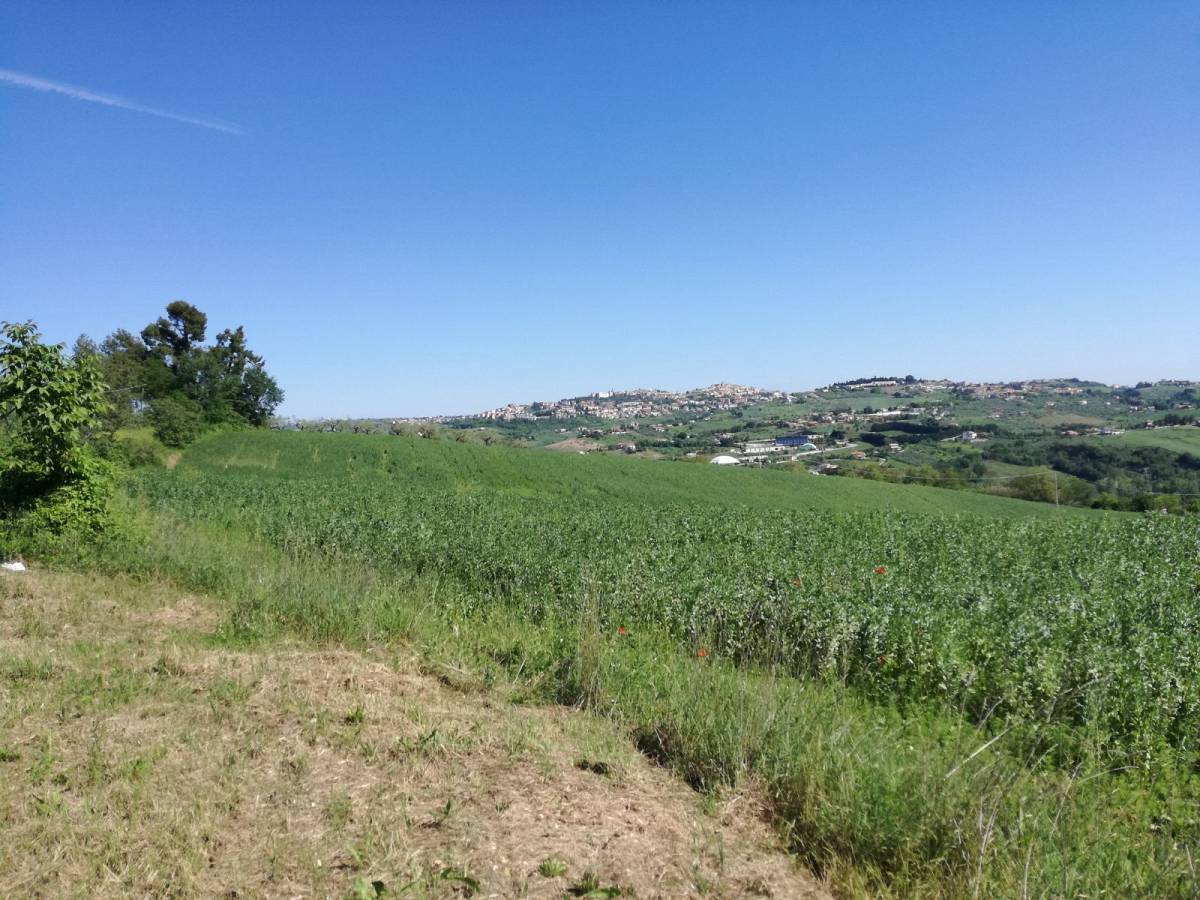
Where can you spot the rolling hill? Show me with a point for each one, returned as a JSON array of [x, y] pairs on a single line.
[[465, 467]]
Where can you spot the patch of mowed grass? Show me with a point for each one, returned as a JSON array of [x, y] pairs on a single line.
[[884, 801]]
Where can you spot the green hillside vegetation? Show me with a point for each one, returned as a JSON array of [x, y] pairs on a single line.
[[1180, 439], [892, 669], [1017, 423], [936, 693], [465, 467]]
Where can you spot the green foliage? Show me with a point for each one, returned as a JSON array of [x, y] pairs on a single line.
[[170, 378], [78, 505], [135, 447], [887, 796], [51, 481], [50, 400], [1137, 466], [175, 336], [1025, 619], [177, 419]]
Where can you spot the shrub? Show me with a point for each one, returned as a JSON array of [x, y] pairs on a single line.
[[177, 419]]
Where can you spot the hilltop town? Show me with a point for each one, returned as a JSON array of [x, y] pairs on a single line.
[[1053, 439], [652, 403], [637, 403]]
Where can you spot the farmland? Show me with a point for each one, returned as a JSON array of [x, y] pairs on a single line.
[[968, 615], [1069, 638], [470, 468], [1180, 439]]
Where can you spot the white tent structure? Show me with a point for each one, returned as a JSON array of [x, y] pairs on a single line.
[[725, 461]]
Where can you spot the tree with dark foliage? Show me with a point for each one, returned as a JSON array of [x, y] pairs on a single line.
[[180, 385]]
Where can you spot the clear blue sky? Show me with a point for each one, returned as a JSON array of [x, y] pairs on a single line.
[[441, 207]]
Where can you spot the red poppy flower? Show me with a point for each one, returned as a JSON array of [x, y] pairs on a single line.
[[796, 582], [702, 653], [883, 660], [622, 630], [880, 570]]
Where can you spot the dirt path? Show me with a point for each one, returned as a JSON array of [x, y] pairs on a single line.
[[139, 757]]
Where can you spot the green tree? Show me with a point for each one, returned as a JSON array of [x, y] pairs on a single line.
[[167, 376], [175, 336], [177, 419], [186, 385], [252, 394], [122, 358]]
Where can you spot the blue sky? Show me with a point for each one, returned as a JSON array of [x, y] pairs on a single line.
[[441, 207]]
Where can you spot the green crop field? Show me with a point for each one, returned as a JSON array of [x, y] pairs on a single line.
[[1180, 439], [466, 468], [1092, 616], [1069, 638]]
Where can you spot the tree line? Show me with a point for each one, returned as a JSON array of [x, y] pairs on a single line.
[[168, 378]]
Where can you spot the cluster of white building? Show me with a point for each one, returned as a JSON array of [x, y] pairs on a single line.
[[640, 403]]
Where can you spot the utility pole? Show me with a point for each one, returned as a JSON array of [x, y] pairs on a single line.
[[1056, 487]]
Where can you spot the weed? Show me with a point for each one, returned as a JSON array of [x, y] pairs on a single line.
[[49, 804], [225, 692], [589, 886], [338, 809], [552, 867]]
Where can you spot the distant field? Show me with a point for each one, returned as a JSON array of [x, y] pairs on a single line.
[[1181, 439], [1060, 419], [471, 467]]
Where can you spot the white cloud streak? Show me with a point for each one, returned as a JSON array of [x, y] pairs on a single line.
[[79, 93]]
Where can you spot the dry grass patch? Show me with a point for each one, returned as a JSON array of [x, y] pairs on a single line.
[[136, 757]]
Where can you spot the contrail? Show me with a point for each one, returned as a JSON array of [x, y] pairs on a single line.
[[78, 93]]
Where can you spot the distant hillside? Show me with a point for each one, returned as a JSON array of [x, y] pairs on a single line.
[[469, 467]]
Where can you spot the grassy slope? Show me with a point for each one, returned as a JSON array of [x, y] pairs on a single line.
[[468, 466], [864, 790], [886, 802], [1182, 439]]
